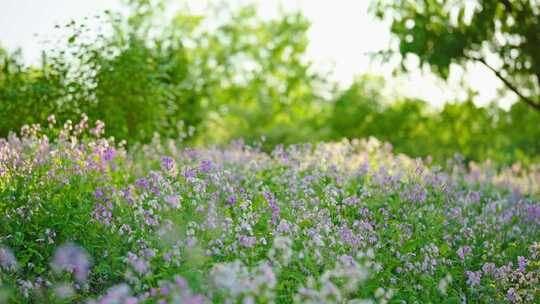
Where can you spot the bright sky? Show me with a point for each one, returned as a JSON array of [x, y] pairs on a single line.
[[342, 35]]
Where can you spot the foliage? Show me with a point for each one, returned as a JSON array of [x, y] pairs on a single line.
[[450, 31], [85, 219], [229, 71], [26, 94], [414, 128]]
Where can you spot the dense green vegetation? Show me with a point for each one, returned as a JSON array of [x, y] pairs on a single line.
[[414, 128], [226, 75]]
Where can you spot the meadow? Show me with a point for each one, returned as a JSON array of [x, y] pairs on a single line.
[[87, 220]]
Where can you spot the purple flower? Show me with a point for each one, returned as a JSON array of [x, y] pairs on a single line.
[[273, 204], [140, 265], [189, 173], [99, 194], [247, 241], [205, 166], [474, 197], [180, 282], [533, 213], [347, 236], [463, 251], [522, 263], [489, 268], [350, 201], [7, 260], [283, 227], [102, 214], [503, 271], [193, 299], [73, 259], [164, 290], [117, 294], [232, 200], [511, 295], [417, 193], [473, 277], [127, 195], [347, 259], [109, 154], [142, 183], [168, 165], [173, 200]]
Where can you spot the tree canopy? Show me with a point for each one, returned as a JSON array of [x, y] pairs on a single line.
[[502, 35], [197, 70]]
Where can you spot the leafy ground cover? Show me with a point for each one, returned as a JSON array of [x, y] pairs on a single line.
[[84, 220]]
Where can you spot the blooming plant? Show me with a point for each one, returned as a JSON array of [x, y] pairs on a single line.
[[85, 220]]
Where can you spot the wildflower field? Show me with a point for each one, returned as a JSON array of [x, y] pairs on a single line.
[[87, 220]]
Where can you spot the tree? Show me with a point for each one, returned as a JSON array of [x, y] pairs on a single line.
[[441, 32], [27, 95], [228, 73]]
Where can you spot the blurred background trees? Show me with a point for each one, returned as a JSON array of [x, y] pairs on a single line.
[[415, 128], [200, 71], [503, 35], [230, 74]]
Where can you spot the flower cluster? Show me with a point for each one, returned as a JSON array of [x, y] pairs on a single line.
[[87, 220]]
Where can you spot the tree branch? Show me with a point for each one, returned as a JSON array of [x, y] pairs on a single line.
[[506, 82]]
